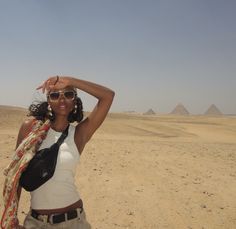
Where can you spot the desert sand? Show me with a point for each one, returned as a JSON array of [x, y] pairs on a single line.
[[150, 171]]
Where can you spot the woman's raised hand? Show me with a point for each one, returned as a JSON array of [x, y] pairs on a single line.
[[54, 82]]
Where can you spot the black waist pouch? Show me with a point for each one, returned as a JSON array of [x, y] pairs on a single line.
[[42, 166]]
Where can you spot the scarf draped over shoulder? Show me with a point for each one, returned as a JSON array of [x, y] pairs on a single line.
[[23, 154]]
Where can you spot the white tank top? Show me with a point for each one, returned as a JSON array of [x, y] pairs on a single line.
[[60, 191]]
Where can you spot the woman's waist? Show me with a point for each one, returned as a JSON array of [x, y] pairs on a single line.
[[75, 205], [57, 197]]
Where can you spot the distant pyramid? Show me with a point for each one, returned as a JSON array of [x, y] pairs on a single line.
[[150, 112], [180, 110], [213, 110]]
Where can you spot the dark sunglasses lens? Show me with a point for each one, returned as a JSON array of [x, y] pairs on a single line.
[[54, 95], [69, 94]]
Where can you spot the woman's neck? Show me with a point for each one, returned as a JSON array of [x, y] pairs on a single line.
[[59, 124]]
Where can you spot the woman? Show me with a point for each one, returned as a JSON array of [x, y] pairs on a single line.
[[57, 204]]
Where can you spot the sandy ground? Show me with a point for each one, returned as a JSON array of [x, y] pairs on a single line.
[[150, 171]]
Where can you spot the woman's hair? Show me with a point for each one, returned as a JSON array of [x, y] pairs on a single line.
[[39, 110]]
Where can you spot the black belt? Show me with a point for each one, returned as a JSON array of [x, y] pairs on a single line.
[[56, 218]]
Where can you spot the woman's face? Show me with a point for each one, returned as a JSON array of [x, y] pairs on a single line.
[[62, 101]]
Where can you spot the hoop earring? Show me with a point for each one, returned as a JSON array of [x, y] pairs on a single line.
[[75, 109]]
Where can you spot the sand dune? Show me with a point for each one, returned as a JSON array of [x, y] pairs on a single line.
[[150, 172]]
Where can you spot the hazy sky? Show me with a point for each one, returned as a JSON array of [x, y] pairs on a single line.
[[153, 53]]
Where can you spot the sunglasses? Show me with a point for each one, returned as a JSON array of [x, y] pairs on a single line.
[[55, 95]]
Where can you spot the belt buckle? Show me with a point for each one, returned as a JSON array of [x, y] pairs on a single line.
[[43, 218]]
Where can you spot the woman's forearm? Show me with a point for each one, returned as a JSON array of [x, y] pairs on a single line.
[[96, 90]]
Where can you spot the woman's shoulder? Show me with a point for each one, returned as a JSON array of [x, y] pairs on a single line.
[[25, 129], [29, 121], [27, 125]]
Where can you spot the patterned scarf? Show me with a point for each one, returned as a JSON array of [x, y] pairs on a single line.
[[23, 154]]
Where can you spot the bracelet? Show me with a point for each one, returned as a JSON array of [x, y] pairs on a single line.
[[56, 80]]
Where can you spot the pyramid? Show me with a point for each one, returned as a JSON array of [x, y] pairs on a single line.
[[213, 110], [150, 112], [180, 110]]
